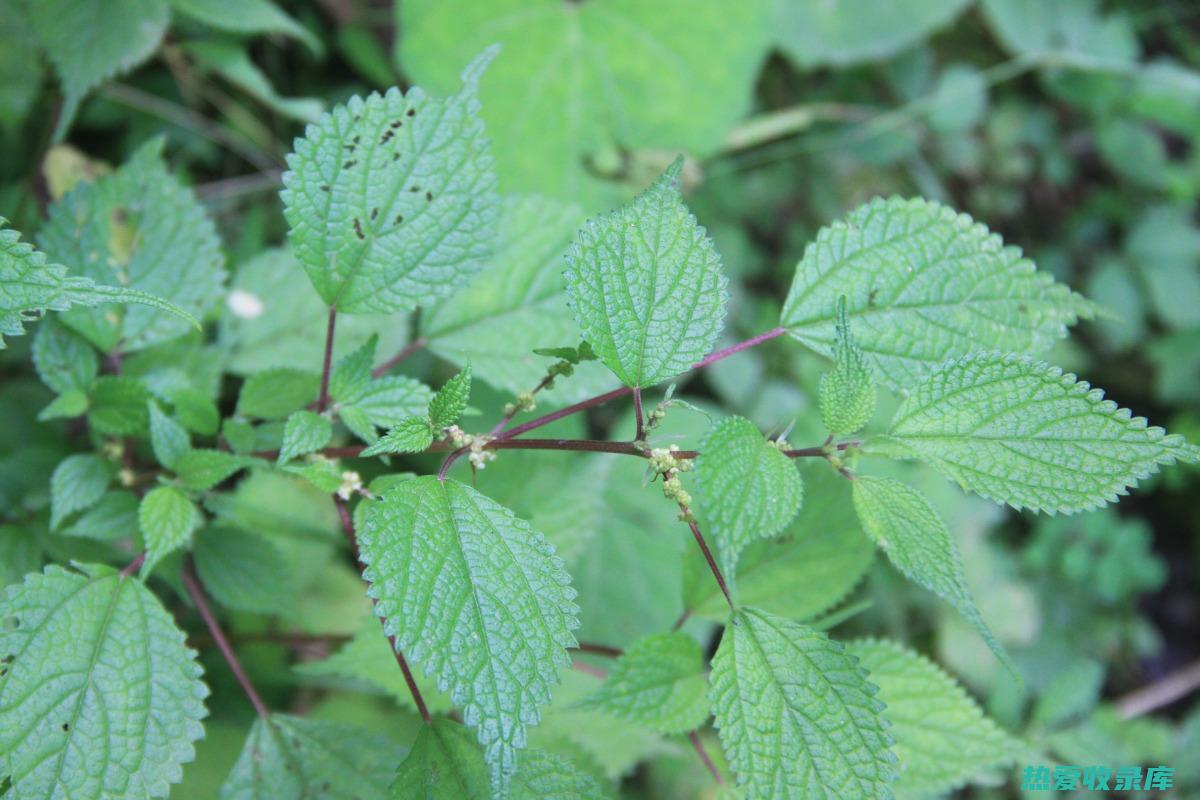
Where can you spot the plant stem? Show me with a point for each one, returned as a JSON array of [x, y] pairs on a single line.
[[134, 565], [327, 364], [408, 350], [507, 418], [348, 528], [726, 352], [708, 556], [196, 592], [640, 431], [694, 738], [1171, 688], [588, 669], [600, 649]]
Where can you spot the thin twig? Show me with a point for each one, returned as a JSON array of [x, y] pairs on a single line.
[[327, 366], [196, 592], [409, 349], [588, 669], [640, 429], [694, 738], [708, 556], [600, 649], [134, 565], [1163, 692]]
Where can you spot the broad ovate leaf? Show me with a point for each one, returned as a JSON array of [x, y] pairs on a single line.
[[477, 597], [746, 488], [78, 483], [305, 432], [797, 716], [909, 529], [923, 284], [291, 758], [646, 286], [943, 739], [1022, 432], [658, 682], [445, 763], [166, 518], [850, 31], [137, 229], [391, 199], [99, 696]]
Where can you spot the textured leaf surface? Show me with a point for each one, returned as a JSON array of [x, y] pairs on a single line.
[[646, 286], [451, 400], [477, 597], [850, 31], [90, 41], [247, 16], [202, 469], [797, 715], [549, 776], [243, 570], [166, 518], [819, 559], [276, 393], [746, 488], [847, 392], [916, 540], [411, 436], [119, 406], [943, 739], [78, 483], [445, 763], [100, 698], [923, 284], [137, 229], [64, 361], [658, 682], [1021, 432], [391, 199], [570, 86], [168, 438], [516, 305], [305, 432], [290, 758]]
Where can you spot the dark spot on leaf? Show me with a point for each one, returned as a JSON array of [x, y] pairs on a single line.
[[399, 219], [397, 124], [356, 139], [1022, 308], [429, 196], [871, 297], [349, 164], [324, 187], [374, 213], [358, 231], [395, 156], [66, 726], [414, 188], [412, 112], [387, 137]]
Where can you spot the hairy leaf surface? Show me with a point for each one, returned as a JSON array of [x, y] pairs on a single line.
[[1022, 432], [646, 286], [99, 696], [477, 597], [797, 715], [305, 432], [166, 518], [391, 200], [923, 284]]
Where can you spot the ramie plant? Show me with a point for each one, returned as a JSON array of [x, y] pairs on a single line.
[[392, 204]]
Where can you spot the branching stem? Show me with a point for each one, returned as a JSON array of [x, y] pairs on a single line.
[[410, 348], [640, 431]]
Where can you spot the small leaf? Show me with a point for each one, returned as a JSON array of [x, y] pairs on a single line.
[[101, 697], [353, 373], [67, 405], [445, 763], [320, 472], [114, 517], [305, 432], [391, 199], [646, 286], [168, 438], [166, 518], [118, 406], [413, 435], [276, 393], [923, 284], [389, 400], [243, 570], [248, 16], [550, 776], [747, 489], [658, 682], [796, 714], [64, 360], [1021, 432], [943, 739], [917, 542], [291, 758], [78, 483], [478, 598], [572, 355], [451, 400], [195, 411], [202, 469], [847, 391]]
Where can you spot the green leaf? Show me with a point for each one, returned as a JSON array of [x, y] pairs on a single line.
[[305, 432], [847, 391], [549, 776], [21, 69], [851, 31], [231, 61], [796, 714], [747, 489], [276, 393], [413, 435], [119, 406], [141, 230], [658, 682], [646, 286], [114, 517], [444, 764], [1063, 30], [200, 470], [290, 758], [320, 472], [168, 438], [923, 284], [451, 400], [568, 95], [352, 375], [391, 199], [195, 411], [516, 305], [1071, 693], [248, 16], [243, 570], [19, 554], [389, 400], [78, 483], [943, 739], [90, 41], [477, 597], [166, 518], [1021, 432], [910, 530], [100, 696], [817, 562], [64, 360], [70, 404]]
